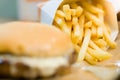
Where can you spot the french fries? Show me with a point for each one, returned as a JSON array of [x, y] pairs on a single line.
[[76, 30], [67, 11], [100, 55], [94, 31], [81, 22], [62, 24], [84, 45], [91, 8], [107, 37], [100, 43], [60, 13], [90, 59], [93, 18], [84, 22], [88, 24]]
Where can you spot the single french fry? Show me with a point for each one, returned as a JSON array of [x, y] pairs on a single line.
[[60, 13], [74, 20], [84, 45], [62, 24], [96, 51], [81, 23], [76, 30], [99, 28], [92, 17], [100, 55], [107, 37], [100, 15], [90, 59], [76, 33], [79, 11], [95, 46], [73, 12], [88, 24], [100, 6], [77, 48], [55, 24], [74, 5], [94, 31], [69, 25], [99, 32], [81, 20], [101, 43], [108, 28], [67, 11], [60, 21], [90, 7]]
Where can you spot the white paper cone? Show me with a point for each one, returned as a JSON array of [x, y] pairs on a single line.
[[116, 5], [48, 11]]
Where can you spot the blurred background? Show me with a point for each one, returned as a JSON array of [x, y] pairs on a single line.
[[18, 9], [8, 10], [25, 10]]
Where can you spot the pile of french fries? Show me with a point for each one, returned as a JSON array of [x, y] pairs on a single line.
[[84, 22]]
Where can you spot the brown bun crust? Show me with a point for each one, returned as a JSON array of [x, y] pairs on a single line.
[[34, 40]]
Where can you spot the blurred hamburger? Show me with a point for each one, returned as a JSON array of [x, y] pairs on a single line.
[[31, 50]]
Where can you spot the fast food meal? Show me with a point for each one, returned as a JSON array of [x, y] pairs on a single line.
[[85, 23], [31, 50]]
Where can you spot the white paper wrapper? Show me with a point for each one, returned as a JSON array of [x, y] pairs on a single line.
[[47, 14], [27, 9], [116, 5]]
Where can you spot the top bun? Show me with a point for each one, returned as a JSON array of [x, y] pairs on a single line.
[[33, 40]]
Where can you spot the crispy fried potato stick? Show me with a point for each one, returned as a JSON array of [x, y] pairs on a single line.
[[94, 46], [60, 13], [85, 44], [101, 43], [92, 17], [90, 59], [77, 48], [73, 12], [81, 23], [76, 10], [99, 28], [76, 30], [108, 28], [69, 25], [96, 52], [79, 11], [62, 24], [99, 32], [100, 7], [74, 20], [107, 37], [100, 55], [94, 31], [88, 24], [91, 8], [74, 5], [67, 11]]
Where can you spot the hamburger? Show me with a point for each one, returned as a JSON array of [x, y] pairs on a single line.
[[31, 50]]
